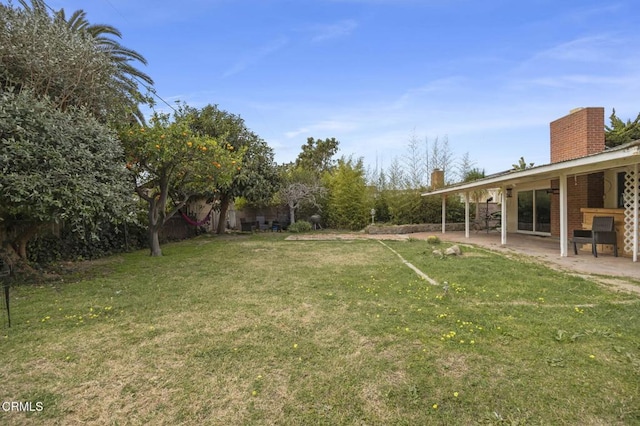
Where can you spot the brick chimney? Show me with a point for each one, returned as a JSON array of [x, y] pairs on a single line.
[[576, 135], [437, 178]]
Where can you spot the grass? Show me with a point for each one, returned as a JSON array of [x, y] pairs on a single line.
[[258, 330]]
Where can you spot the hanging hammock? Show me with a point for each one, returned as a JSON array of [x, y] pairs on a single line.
[[193, 222]]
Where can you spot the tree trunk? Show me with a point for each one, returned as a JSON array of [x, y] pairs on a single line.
[[224, 206], [154, 241], [9, 256], [157, 214], [18, 266], [292, 213], [155, 223], [21, 241]]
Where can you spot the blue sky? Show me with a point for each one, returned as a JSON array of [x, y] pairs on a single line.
[[489, 75]]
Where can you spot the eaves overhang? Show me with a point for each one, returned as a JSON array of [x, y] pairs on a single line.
[[620, 156]]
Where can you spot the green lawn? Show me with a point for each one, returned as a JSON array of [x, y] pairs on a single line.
[[258, 330]]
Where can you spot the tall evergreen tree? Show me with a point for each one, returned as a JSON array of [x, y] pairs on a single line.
[[619, 132]]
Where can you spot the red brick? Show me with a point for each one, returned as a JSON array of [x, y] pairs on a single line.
[[576, 135]]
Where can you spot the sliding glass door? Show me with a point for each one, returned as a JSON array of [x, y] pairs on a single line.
[[534, 211], [542, 208]]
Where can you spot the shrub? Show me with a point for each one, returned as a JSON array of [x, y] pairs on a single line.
[[405, 207], [433, 240], [67, 245], [300, 226]]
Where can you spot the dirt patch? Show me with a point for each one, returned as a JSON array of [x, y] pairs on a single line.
[[617, 284], [454, 365]]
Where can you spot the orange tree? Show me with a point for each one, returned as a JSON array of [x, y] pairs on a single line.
[[258, 180], [171, 165]]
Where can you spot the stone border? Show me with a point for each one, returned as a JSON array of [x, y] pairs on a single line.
[[410, 229]]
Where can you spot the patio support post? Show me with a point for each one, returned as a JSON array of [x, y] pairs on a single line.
[[564, 228], [444, 213], [503, 217], [635, 212], [466, 214]]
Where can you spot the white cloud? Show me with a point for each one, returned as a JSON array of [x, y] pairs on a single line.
[[324, 127], [446, 85], [592, 49], [333, 31], [256, 56], [573, 80]]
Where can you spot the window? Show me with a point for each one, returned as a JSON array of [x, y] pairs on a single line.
[[534, 211]]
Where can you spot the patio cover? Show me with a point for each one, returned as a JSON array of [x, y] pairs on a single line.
[[627, 156]]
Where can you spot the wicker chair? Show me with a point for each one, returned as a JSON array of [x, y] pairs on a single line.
[[602, 232]]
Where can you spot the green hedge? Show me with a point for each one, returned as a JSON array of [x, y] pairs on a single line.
[[68, 245]]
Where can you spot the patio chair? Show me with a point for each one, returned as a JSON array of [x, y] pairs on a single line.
[[246, 226], [262, 223], [602, 232]]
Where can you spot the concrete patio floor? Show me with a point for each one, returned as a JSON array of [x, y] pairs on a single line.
[[547, 251]]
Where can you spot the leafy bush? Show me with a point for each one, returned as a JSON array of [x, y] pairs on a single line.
[[408, 207], [432, 239], [300, 226], [69, 245], [57, 166]]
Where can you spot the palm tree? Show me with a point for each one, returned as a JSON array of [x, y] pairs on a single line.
[[127, 77], [120, 55]]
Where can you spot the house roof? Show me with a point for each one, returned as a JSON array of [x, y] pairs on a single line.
[[620, 156]]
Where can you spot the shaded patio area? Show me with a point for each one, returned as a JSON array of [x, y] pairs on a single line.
[[546, 250]]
